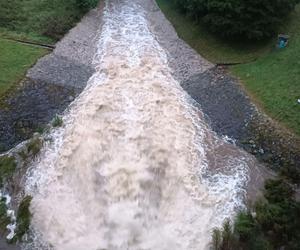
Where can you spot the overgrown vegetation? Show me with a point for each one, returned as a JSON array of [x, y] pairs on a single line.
[[34, 146], [7, 168], [57, 121], [22, 221], [23, 218], [4, 219], [274, 79], [42, 17], [254, 19], [13, 66], [211, 47], [273, 224]]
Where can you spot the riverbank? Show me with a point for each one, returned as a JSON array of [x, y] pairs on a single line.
[[13, 67], [51, 85], [47, 90], [28, 30], [227, 105]]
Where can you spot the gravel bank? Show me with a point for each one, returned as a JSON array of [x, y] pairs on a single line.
[[71, 63], [183, 60], [227, 108]]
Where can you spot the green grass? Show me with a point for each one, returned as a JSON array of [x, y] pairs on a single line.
[[209, 46], [23, 36], [272, 225], [40, 21], [274, 80], [15, 60]]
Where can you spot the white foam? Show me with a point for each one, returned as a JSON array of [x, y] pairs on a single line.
[[11, 227]]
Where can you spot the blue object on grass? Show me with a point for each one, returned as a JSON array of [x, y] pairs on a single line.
[[282, 41]]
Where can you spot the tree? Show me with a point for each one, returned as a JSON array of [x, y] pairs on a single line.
[[253, 19]]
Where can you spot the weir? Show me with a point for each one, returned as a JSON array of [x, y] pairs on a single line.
[[135, 165]]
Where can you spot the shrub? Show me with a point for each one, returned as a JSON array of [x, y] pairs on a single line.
[[9, 13], [244, 226], [253, 19], [4, 219], [7, 168], [274, 225], [51, 18], [216, 239], [290, 172], [86, 4], [224, 239], [34, 146], [57, 121], [23, 217]]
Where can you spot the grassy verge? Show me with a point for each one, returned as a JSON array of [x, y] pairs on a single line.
[[272, 81], [15, 60], [27, 37], [40, 21]]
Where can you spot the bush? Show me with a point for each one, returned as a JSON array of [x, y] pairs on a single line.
[[253, 19], [43, 17], [7, 168], [9, 13], [34, 146], [4, 219], [224, 239], [57, 121], [86, 4], [23, 218], [275, 223]]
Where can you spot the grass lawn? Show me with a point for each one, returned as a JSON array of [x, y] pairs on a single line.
[[273, 81], [29, 36], [15, 60], [39, 21]]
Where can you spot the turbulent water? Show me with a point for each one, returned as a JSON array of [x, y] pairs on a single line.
[[135, 166]]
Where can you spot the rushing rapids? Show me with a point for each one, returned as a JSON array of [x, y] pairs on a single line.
[[135, 166]]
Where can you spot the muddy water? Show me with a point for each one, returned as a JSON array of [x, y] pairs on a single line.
[[135, 166]]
